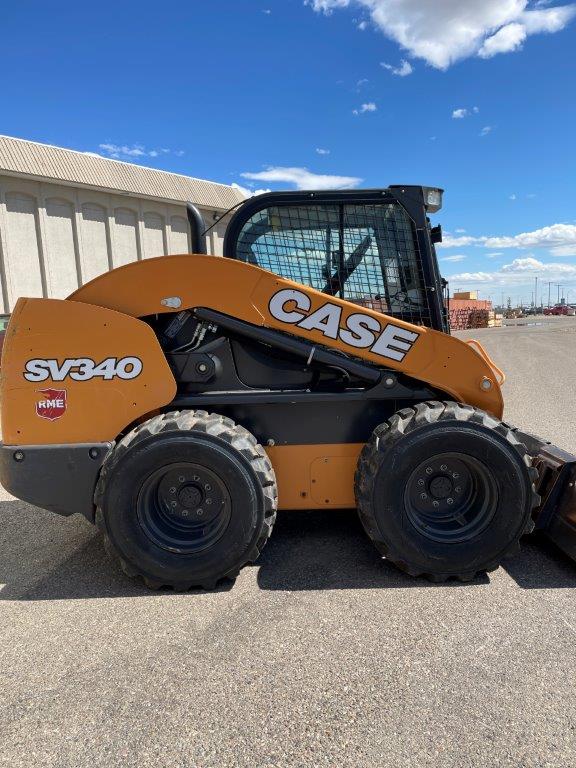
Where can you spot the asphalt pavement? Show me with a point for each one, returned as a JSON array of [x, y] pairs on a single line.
[[321, 654]]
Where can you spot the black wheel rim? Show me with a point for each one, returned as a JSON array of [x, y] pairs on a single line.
[[184, 507], [451, 497]]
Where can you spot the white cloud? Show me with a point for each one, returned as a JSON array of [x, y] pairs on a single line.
[[116, 150], [362, 25], [556, 236], [486, 130], [361, 83], [460, 231], [129, 152], [448, 241], [368, 107], [447, 31], [302, 178], [458, 114], [519, 271], [560, 239], [493, 255], [472, 277], [508, 38], [249, 192], [267, 11], [564, 250], [530, 264], [321, 151], [403, 70], [513, 197], [457, 257]]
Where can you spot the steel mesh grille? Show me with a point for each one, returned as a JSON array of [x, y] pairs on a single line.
[[366, 253]]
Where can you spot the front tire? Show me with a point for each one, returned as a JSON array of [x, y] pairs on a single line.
[[445, 490], [186, 499]]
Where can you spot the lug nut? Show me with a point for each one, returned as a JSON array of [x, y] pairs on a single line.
[[173, 490], [421, 481], [173, 504], [199, 512], [428, 470], [207, 487], [423, 495], [435, 503], [19, 456], [443, 467], [208, 501], [449, 501], [181, 479], [458, 489], [455, 475]]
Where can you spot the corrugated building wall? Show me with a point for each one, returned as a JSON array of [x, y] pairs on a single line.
[[66, 217]]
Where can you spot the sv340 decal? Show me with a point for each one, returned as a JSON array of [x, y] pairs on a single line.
[[82, 369]]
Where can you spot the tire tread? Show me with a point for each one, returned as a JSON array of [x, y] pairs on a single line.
[[408, 420], [215, 425]]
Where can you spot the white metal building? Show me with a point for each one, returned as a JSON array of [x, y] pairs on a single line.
[[66, 217]]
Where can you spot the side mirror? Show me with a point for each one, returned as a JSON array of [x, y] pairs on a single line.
[[436, 234]]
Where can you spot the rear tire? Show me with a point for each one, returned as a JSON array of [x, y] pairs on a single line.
[[186, 499], [445, 490]]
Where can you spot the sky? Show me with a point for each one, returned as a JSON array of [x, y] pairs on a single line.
[[475, 96]]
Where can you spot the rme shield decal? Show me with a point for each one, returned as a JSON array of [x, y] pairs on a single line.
[[360, 330], [52, 405], [82, 369]]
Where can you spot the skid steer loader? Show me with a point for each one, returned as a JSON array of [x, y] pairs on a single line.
[[178, 402]]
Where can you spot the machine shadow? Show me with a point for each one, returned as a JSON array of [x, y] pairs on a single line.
[[329, 550], [541, 565], [46, 557]]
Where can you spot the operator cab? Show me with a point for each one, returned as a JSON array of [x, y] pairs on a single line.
[[371, 247]]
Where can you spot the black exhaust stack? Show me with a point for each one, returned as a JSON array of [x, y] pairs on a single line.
[[197, 228]]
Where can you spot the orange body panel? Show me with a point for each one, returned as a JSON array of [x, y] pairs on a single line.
[[244, 292], [91, 410], [97, 329], [315, 476]]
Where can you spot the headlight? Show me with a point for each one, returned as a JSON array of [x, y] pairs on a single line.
[[433, 198]]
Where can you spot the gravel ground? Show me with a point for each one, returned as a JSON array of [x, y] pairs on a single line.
[[320, 655]]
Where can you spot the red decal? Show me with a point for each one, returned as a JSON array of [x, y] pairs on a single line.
[[52, 405]]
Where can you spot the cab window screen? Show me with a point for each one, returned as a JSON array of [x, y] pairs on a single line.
[[366, 253], [292, 241]]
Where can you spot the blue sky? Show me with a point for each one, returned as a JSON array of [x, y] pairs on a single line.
[[476, 96]]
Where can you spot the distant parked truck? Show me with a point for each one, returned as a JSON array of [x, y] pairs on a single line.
[[560, 309]]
